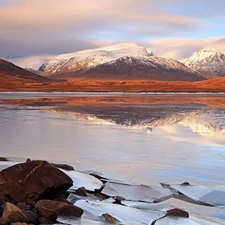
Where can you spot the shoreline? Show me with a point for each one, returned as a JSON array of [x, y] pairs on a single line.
[[104, 85]]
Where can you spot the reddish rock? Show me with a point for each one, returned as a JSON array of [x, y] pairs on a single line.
[[3, 159], [14, 214], [33, 180], [2, 199], [23, 205], [19, 223], [12, 189], [52, 209], [33, 216], [177, 212], [110, 219], [63, 166], [4, 221], [43, 220], [81, 191]]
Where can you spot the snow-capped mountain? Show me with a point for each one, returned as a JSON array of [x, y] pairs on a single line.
[[84, 60], [144, 67], [124, 61], [208, 62]]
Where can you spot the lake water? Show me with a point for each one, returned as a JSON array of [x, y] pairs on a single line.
[[145, 138]]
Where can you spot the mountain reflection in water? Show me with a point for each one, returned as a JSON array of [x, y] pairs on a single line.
[[203, 113], [203, 116]]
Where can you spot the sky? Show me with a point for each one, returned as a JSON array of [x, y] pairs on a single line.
[[40, 29]]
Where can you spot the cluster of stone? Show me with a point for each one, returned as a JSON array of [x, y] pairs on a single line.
[[38, 192], [34, 192]]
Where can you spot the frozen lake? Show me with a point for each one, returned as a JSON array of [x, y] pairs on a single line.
[[144, 138]]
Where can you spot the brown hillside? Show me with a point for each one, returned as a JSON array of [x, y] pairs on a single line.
[[12, 76]]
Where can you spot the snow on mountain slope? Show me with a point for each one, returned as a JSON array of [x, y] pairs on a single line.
[[123, 61], [208, 62], [143, 67], [90, 58]]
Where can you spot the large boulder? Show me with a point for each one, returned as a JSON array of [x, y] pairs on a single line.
[[33, 180], [52, 209]]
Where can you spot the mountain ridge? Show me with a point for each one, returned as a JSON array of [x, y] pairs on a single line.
[[127, 61], [208, 62], [126, 67], [149, 68]]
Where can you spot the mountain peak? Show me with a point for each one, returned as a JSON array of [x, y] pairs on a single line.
[[208, 52], [208, 62], [92, 57]]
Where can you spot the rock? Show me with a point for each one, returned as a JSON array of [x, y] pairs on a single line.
[[18, 223], [14, 214], [101, 196], [33, 216], [52, 209], [81, 191], [177, 212], [3, 159], [28, 210], [119, 199], [1, 210], [4, 221], [2, 199], [63, 166], [43, 220], [24, 206], [33, 180], [62, 200], [110, 219]]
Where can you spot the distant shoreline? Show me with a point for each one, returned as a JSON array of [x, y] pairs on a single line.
[[87, 85]]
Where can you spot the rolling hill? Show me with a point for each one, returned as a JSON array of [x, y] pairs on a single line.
[[12, 76]]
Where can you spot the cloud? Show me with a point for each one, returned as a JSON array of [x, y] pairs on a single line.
[[170, 28], [181, 48], [49, 15], [53, 27], [35, 45], [33, 62]]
